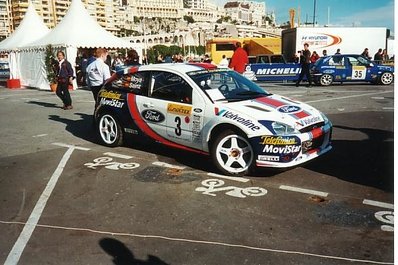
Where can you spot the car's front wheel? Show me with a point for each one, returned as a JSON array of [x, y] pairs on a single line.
[[386, 78], [110, 130], [326, 80], [232, 153]]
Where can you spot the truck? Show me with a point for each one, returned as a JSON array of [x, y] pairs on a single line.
[[218, 47], [350, 40]]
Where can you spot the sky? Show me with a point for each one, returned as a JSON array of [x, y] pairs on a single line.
[[358, 13]]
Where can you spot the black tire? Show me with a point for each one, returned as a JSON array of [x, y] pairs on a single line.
[[109, 130], [232, 153], [386, 78]]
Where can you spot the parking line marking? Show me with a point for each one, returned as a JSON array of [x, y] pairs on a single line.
[[19, 246], [118, 155], [352, 96], [204, 242], [379, 204], [72, 146], [40, 135], [388, 108], [301, 190], [228, 177], [163, 164]]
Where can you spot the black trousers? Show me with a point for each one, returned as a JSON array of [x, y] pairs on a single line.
[[95, 90], [63, 93], [305, 70]]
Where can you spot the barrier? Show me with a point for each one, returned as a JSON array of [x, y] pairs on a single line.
[[13, 83]]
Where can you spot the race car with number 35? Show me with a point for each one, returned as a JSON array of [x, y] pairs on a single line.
[[215, 112], [350, 68]]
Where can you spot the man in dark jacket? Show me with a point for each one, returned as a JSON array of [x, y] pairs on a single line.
[[305, 61], [64, 78]]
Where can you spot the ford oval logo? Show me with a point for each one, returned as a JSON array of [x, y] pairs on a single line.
[[289, 109], [152, 115]]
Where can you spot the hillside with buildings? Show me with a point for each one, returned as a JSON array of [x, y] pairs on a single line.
[[155, 21]]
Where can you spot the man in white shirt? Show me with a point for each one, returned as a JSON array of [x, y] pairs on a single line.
[[98, 72], [224, 62]]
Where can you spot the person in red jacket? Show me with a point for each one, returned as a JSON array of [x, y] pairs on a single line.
[[239, 59]]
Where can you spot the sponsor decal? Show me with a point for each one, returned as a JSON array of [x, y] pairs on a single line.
[[280, 140], [309, 121], [268, 158], [179, 109], [110, 95], [197, 110], [235, 117], [111, 102], [152, 115], [196, 128], [289, 109], [278, 71], [280, 144], [321, 40], [287, 149]]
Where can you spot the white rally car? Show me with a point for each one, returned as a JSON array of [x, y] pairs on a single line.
[[215, 112]]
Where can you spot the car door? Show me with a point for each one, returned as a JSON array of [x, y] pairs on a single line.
[[357, 70], [168, 107]]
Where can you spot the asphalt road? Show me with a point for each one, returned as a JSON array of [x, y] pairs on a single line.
[[65, 199]]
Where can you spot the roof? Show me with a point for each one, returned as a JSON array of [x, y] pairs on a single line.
[[79, 29], [31, 28]]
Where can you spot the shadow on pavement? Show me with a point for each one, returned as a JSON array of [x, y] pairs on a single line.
[[124, 256], [367, 161], [45, 104], [82, 128]]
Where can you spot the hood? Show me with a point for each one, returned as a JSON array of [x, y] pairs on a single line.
[[277, 108]]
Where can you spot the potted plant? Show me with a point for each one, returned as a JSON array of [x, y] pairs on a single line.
[[49, 65]]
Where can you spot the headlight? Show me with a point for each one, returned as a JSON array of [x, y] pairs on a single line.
[[281, 128]]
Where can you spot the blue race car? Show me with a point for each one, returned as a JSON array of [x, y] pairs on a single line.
[[350, 68]]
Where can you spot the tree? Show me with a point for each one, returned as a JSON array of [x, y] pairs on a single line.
[[189, 19]]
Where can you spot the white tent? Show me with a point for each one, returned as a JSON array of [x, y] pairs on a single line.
[[76, 30], [31, 28]]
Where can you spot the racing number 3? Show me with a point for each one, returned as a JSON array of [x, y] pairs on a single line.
[[178, 126]]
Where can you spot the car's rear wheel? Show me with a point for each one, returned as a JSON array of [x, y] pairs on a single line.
[[386, 78], [232, 153], [326, 80], [110, 130]]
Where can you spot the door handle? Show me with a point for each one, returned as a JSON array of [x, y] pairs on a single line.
[[148, 105]]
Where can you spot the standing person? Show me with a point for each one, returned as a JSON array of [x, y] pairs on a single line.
[[378, 56], [64, 78], [385, 56], [365, 53], [98, 72], [224, 62], [314, 57], [132, 58], [239, 59], [324, 53], [305, 65], [338, 52]]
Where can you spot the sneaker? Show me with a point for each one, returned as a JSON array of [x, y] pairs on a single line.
[[68, 107]]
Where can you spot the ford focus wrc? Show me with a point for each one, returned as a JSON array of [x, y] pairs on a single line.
[[215, 112]]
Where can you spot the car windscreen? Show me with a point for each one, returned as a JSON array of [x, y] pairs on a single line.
[[226, 85]]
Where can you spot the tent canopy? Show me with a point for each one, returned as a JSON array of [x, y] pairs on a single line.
[[78, 29], [31, 28]]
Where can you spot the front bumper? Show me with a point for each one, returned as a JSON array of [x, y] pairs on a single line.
[[292, 150]]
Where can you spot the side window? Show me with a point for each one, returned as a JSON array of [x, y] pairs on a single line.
[[264, 59], [136, 83], [169, 86], [336, 60]]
